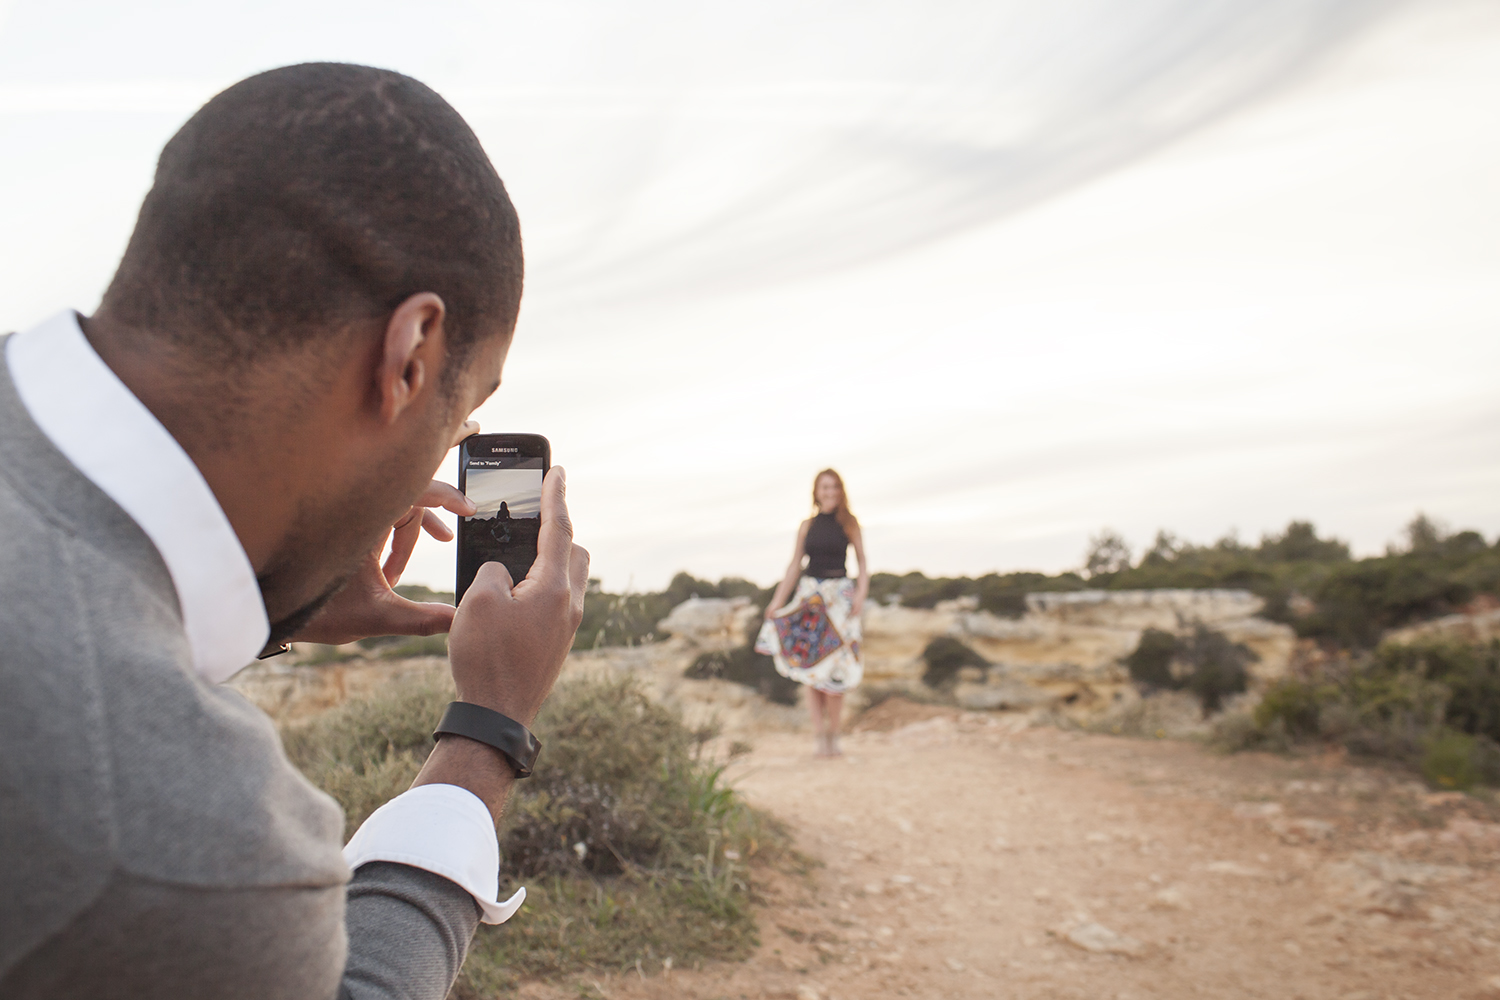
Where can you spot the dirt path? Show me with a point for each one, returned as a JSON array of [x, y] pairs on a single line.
[[970, 856]]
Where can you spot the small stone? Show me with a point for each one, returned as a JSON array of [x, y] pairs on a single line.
[[1095, 937], [873, 888], [904, 825], [1234, 868], [731, 855], [807, 991], [1170, 898], [1258, 810], [1042, 895], [955, 965], [1097, 838], [581, 849], [902, 879], [884, 932]]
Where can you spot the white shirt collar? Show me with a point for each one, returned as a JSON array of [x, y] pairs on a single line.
[[94, 420]]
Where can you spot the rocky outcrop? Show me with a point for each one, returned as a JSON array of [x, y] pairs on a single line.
[[1482, 626], [712, 624], [1067, 647]]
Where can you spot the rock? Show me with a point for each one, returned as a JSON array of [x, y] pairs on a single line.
[[1068, 638], [807, 991], [1141, 609], [955, 965], [1234, 868], [1095, 937], [710, 623], [1470, 628], [1000, 696], [1170, 898], [1297, 831], [1388, 885]]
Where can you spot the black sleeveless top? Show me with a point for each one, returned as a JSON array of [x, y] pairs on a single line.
[[826, 547]]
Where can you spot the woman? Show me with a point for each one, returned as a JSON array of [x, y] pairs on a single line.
[[812, 628]]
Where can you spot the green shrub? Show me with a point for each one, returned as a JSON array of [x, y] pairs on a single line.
[[945, 656], [743, 665], [1296, 705], [1451, 760], [1151, 661], [663, 869], [1469, 673], [1205, 663], [1217, 667], [1433, 705]]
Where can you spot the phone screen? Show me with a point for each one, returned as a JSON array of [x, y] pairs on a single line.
[[502, 474]]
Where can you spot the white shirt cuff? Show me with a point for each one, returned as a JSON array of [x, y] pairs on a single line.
[[443, 829]]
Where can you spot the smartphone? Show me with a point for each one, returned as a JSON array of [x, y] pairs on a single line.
[[502, 474]]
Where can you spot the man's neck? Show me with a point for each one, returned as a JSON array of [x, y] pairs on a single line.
[[254, 458]]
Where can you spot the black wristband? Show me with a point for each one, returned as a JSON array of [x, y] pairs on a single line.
[[491, 728]]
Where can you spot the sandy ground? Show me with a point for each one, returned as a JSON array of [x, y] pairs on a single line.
[[973, 855]]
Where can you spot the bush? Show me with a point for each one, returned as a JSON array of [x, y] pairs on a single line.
[[945, 657], [1216, 667], [1205, 663], [1432, 705], [662, 872], [1150, 663], [743, 665], [1460, 761], [1297, 706]]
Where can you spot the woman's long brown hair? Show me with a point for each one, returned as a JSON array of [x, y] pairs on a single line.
[[841, 513]]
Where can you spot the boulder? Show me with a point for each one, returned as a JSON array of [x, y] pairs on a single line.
[[713, 624]]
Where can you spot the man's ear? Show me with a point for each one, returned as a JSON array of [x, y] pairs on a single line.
[[413, 354]]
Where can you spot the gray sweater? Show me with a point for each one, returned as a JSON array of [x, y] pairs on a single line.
[[154, 840]]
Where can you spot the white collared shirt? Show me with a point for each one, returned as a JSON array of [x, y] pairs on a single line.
[[118, 444]]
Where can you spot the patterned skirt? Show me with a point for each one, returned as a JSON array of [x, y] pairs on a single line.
[[815, 639]]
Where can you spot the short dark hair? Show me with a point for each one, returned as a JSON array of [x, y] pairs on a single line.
[[309, 197]]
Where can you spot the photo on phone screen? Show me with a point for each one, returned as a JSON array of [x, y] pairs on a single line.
[[502, 474]]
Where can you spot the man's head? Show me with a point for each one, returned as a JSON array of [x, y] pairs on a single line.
[[313, 197], [321, 286]]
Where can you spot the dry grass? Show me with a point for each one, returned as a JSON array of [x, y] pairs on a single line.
[[632, 848]]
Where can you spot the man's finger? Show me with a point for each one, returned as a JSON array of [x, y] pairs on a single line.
[[440, 494], [469, 428], [555, 540], [403, 540], [435, 527], [578, 577], [403, 617], [491, 575]]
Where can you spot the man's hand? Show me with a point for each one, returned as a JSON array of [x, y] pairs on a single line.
[[367, 605], [509, 641], [508, 644]]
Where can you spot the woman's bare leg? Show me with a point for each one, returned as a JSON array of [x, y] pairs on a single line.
[[833, 708], [815, 709]]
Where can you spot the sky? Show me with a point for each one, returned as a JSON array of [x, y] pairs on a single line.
[[1019, 271]]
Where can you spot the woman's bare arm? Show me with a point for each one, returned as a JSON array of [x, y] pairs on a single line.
[[793, 572], [862, 588]]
